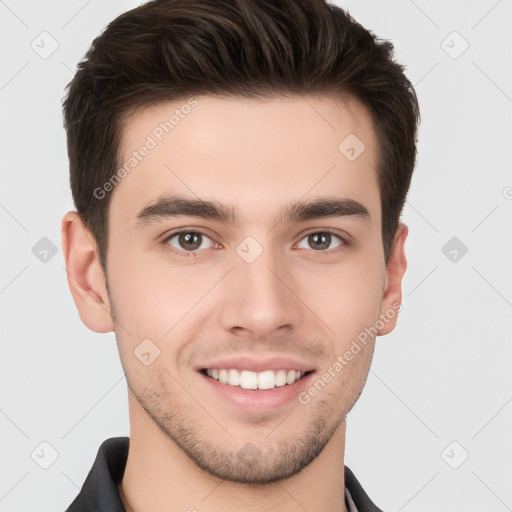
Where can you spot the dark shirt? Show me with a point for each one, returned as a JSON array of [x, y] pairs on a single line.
[[99, 492]]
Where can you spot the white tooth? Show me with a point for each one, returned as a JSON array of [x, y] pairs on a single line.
[[266, 380], [280, 378], [233, 377], [290, 378], [209, 372], [223, 376], [215, 373], [297, 375], [248, 379]]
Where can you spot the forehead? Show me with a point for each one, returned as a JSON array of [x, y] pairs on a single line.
[[254, 154]]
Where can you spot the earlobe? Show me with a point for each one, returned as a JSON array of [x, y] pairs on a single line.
[[395, 270], [85, 275]]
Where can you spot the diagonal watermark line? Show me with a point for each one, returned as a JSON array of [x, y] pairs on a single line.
[[422, 281], [484, 218], [501, 409], [485, 15], [301, 300], [90, 293], [280, 423], [76, 14], [423, 217], [74, 426], [200, 404], [497, 497], [404, 403], [13, 279], [488, 282], [12, 12], [304, 98], [14, 485], [181, 180], [292, 497], [78, 487], [68, 67], [14, 218], [14, 423], [306, 193], [492, 81], [425, 75], [407, 502], [194, 305], [14, 76], [213, 490], [424, 14]]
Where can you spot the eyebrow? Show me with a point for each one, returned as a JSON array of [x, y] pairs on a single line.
[[300, 211]]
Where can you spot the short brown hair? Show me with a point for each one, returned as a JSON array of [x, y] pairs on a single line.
[[166, 50]]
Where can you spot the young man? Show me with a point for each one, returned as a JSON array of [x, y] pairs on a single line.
[[239, 169]]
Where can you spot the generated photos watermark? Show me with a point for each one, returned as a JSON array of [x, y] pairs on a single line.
[[156, 136], [342, 360]]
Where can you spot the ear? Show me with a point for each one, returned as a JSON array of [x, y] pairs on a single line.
[[85, 275], [391, 302]]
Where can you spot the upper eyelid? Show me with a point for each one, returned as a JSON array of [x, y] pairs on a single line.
[[326, 230]]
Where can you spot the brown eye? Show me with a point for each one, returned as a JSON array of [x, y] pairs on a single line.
[[321, 241], [188, 241]]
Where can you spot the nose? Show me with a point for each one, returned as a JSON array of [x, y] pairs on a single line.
[[259, 297]]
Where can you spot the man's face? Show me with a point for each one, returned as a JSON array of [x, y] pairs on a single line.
[[247, 298]]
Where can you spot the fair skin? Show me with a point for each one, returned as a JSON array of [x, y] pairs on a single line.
[[196, 442]]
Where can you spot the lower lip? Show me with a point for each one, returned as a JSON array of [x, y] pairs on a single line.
[[259, 399]]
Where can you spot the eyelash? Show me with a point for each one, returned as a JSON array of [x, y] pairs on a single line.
[[193, 254]]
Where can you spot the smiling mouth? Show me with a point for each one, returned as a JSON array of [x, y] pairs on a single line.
[[247, 379]]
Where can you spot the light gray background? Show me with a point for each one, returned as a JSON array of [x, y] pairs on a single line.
[[442, 376]]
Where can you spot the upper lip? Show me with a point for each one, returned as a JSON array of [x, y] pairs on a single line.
[[258, 364]]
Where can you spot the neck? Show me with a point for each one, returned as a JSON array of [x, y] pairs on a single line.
[[160, 477]]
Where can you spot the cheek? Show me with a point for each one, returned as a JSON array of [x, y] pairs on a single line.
[[142, 295], [156, 300], [346, 297]]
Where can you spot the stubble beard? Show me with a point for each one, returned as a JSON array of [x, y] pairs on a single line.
[[250, 463]]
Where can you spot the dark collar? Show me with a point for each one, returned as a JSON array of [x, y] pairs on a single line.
[[99, 492]]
